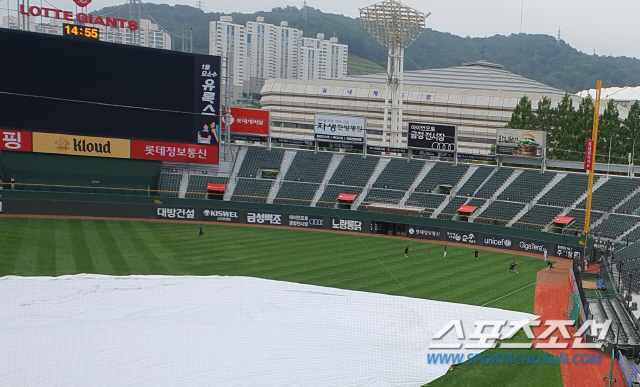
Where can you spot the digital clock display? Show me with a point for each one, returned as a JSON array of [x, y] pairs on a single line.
[[80, 31]]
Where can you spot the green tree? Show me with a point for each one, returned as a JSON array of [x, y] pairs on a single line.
[[563, 128], [522, 116], [609, 135], [582, 129], [545, 115], [631, 130]]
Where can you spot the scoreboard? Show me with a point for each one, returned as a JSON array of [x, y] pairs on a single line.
[[84, 87]]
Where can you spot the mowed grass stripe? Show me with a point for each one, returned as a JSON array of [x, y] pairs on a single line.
[[13, 247], [82, 253], [64, 254], [46, 249], [111, 248], [137, 254]]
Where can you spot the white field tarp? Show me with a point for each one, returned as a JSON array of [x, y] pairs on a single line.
[[94, 330]]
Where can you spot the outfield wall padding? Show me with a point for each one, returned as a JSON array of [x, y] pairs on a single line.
[[199, 210]]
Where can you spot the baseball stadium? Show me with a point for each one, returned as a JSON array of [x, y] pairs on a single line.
[[152, 236]]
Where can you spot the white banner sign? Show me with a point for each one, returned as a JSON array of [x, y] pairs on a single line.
[[337, 128]]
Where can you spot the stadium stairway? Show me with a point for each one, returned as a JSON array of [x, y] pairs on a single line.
[[441, 207], [184, 183], [233, 179], [287, 159], [556, 179], [382, 163], [606, 215], [495, 195], [574, 205], [423, 172], [631, 230], [485, 181], [333, 165], [470, 171]]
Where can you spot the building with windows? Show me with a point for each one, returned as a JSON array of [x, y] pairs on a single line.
[[148, 34], [228, 40], [477, 97], [272, 51]]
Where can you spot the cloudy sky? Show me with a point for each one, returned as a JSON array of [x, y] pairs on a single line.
[[604, 27]]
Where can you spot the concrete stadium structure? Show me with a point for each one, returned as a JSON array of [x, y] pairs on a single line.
[[477, 97]]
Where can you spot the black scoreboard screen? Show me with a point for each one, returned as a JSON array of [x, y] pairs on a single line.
[[57, 84]]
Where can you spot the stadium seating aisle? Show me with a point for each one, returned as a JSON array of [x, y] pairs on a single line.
[[169, 184], [425, 200], [252, 190], [330, 195], [475, 181], [526, 186], [537, 217], [399, 174], [611, 193], [631, 206], [308, 166], [578, 215], [442, 174], [615, 225], [567, 190], [494, 182], [197, 187], [383, 196], [258, 159], [296, 193], [499, 213], [354, 170], [451, 209]]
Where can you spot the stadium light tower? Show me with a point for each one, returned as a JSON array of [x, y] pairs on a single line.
[[396, 26]]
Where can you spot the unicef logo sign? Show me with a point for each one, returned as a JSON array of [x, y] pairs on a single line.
[[507, 242]]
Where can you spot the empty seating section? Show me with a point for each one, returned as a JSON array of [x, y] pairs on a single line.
[[567, 190], [399, 174], [630, 206], [476, 203], [197, 187], [633, 236], [499, 213], [259, 158], [451, 209], [611, 193], [494, 182], [308, 166], [537, 217], [475, 181], [526, 186], [354, 170], [425, 200], [169, 184], [330, 195], [615, 225], [578, 216], [252, 190], [295, 193], [384, 196], [442, 174]]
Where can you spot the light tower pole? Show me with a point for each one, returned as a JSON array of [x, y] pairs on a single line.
[[396, 26]]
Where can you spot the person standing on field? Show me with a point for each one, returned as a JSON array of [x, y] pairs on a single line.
[[545, 254], [445, 251], [476, 254], [406, 251]]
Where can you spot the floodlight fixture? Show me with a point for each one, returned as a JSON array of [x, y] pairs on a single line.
[[396, 26]]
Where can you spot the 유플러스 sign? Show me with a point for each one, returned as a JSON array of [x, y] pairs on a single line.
[[517, 142], [338, 128]]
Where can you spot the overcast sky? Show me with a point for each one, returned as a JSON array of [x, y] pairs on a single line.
[[608, 27]]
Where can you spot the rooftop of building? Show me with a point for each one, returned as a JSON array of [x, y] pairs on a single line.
[[472, 75]]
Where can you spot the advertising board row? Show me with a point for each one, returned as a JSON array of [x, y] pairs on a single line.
[[106, 147], [301, 220], [475, 238]]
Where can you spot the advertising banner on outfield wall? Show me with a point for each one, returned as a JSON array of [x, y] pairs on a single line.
[[461, 236], [499, 241], [228, 216], [67, 144], [15, 140], [265, 218], [170, 212], [250, 121], [568, 252], [432, 136], [339, 128], [166, 151], [425, 232], [533, 246], [305, 221], [349, 225], [517, 142]]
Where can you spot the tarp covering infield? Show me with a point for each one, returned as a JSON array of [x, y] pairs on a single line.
[[94, 330]]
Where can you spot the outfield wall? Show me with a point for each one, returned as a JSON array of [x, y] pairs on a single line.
[[198, 210]]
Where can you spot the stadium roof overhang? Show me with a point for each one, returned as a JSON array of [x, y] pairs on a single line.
[[467, 209], [565, 220], [216, 187], [347, 197]]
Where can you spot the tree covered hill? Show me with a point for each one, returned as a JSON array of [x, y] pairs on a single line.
[[538, 57]]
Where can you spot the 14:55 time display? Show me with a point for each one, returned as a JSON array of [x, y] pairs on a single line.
[[80, 31]]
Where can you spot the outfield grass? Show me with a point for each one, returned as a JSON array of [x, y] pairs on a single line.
[[52, 247]]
